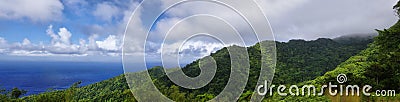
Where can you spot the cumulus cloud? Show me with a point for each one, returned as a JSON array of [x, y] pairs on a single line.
[[39, 10], [92, 42], [26, 45], [189, 51], [3, 45], [308, 19], [3, 42], [199, 49], [63, 36], [26, 42], [83, 47], [51, 33], [61, 46], [23, 48], [110, 43], [60, 43]]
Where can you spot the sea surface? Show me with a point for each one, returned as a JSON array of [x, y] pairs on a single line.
[[37, 77]]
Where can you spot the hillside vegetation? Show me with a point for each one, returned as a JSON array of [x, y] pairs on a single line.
[[377, 66]]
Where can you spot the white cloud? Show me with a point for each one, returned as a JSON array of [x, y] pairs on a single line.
[[83, 47], [60, 44], [50, 32], [3, 45], [26, 42], [189, 51], [38, 10], [92, 42], [26, 47], [110, 43], [65, 36], [199, 49], [308, 19], [3, 42]]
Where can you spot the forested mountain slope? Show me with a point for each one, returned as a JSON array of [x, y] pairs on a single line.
[[378, 65]]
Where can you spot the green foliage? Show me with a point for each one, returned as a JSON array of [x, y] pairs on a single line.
[[397, 8], [175, 94], [245, 96], [11, 95], [305, 60], [114, 90], [298, 61], [378, 65], [15, 93], [204, 97]]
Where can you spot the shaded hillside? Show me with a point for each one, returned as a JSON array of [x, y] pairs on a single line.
[[378, 65], [300, 60]]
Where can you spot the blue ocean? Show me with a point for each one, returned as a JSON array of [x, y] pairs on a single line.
[[37, 77]]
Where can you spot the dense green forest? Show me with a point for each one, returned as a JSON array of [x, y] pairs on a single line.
[[364, 60]]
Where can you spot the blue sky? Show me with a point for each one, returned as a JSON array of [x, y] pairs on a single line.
[[40, 23], [75, 20], [94, 28]]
